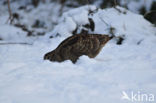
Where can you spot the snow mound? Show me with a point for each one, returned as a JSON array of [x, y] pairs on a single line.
[[126, 24], [130, 67]]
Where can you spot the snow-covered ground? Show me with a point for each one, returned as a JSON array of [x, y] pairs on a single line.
[[131, 67]]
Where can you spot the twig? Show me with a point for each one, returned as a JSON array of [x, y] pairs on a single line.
[[115, 3], [118, 9], [10, 13], [139, 42], [15, 43], [88, 2]]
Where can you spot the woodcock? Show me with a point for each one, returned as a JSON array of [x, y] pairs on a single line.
[[77, 45]]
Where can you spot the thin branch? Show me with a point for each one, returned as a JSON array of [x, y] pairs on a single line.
[[88, 2], [13, 43], [118, 9], [10, 13], [62, 2], [115, 3]]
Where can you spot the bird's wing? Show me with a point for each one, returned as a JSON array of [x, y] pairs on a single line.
[[83, 46], [69, 41]]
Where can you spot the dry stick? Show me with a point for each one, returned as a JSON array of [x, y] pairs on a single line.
[[62, 2], [115, 3], [10, 13], [88, 2], [15, 43]]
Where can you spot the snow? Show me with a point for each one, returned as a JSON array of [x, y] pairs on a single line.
[[132, 5], [135, 5], [7, 35], [70, 20], [26, 78]]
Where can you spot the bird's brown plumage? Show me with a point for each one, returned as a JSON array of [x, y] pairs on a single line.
[[75, 46]]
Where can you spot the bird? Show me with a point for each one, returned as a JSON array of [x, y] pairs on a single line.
[[77, 45]]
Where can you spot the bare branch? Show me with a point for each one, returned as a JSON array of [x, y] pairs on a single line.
[[13, 43], [115, 3], [62, 2], [10, 13], [88, 2]]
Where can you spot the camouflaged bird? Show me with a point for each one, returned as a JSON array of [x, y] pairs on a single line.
[[77, 45]]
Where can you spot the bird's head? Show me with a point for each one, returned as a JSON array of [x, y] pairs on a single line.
[[52, 56]]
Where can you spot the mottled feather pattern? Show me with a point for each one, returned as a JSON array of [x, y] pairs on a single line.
[[77, 45]]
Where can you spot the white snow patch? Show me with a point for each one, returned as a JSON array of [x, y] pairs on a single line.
[[26, 78]]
